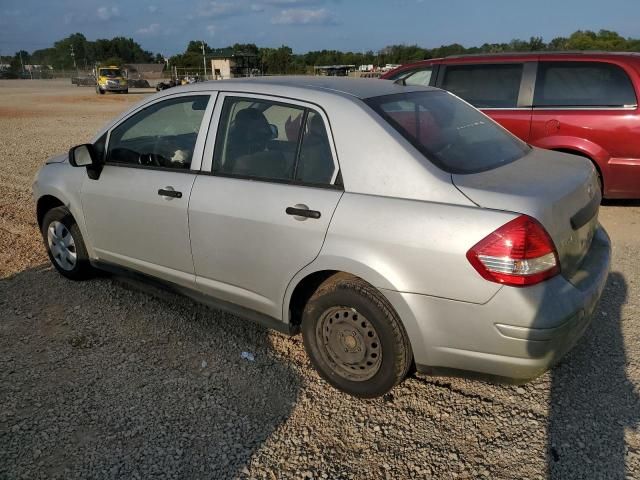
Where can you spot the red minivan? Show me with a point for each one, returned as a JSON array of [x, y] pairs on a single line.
[[582, 103]]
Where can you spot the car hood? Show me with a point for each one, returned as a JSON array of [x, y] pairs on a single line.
[[60, 158], [561, 191]]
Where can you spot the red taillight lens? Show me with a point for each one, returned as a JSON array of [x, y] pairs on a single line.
[[519, 253]]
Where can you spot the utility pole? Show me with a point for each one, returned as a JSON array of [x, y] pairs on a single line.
[[73, 55], [21, 62], [204, 61]]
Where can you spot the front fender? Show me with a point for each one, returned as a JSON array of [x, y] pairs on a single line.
[[64, 182]]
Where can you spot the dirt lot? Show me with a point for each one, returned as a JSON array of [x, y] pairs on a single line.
[[99, 380]]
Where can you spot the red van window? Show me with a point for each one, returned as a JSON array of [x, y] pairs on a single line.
[[485, 86], [583, 84]]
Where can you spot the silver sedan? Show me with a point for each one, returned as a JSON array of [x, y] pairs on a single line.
[[397, 227]]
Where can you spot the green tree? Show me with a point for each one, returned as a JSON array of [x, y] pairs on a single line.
[[19, 59]]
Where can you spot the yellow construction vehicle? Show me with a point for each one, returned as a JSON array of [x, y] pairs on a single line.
[[111, 79]]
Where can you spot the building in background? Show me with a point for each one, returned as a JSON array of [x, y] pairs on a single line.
[[225, 64], [144, 71], [334, 70]]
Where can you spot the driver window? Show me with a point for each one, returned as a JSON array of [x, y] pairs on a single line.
[[162, 135]]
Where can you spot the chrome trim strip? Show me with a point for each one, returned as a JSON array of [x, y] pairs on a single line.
[[482, 109], [626, 107]]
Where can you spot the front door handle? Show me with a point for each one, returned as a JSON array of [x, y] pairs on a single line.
[[302, 211], [169, 192]]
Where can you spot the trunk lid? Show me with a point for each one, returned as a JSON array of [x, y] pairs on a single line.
[[561, 191]]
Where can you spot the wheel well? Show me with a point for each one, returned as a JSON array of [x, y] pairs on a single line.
[[302, 293], [45, 204], [593, 162]]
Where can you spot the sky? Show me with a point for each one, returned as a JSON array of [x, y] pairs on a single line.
[[166, 26]]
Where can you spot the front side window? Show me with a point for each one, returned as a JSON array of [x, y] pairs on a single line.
[[583, 84], [485, 86], [420, 78], [162, 135], [269, 140], [448, 132]]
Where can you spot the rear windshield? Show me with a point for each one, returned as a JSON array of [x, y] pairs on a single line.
[[450, 133]]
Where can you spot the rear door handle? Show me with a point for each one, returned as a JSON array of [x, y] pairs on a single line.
[[169, 192], [302, 211]]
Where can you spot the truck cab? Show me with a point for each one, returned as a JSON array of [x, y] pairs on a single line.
[[111, 79]]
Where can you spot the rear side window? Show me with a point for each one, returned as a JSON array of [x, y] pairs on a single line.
[[266, 140], [257, 138], [583, 84], [315, 164], [485, 86], [451, 134]]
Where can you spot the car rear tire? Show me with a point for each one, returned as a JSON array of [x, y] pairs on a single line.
[[354, 338], [65, 245]]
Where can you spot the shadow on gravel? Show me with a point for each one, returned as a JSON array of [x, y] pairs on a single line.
[[592, 401], [99, 380]]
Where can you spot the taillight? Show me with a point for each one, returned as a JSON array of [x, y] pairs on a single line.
[[519, 253]]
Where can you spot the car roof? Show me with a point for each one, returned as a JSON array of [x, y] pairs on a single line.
[[361, 88], [519, 56], [580, 53]]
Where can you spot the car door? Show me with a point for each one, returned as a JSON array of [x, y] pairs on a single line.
[[500, 90], [136, 211], [590, 107], [261, 213]]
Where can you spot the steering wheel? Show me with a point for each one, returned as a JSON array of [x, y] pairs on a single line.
[[153, 158]]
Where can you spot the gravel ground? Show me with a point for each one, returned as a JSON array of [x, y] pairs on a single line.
[[103, 380]]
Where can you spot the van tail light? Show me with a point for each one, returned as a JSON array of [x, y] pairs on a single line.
[[519, 253]]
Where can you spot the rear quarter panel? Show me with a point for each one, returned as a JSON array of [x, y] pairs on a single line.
[[609, 137], [409, 246]]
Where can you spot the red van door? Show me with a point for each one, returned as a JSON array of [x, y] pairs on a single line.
[[494, 88], [590, 108]]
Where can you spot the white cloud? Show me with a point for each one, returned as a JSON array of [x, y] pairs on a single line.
[[152, 29], [211, 30], [107, 13], [152, 8], [300, 16], [290, 2], [221, 9]]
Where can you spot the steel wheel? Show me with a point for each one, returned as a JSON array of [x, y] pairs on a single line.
[[62, 245], [351, 344]]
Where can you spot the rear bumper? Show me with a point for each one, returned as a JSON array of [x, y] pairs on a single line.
[[518, 334]]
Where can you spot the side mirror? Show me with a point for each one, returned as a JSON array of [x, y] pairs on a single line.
[[82, 155], [85, 156], [274, 131]]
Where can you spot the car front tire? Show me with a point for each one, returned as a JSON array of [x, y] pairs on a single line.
[[65, 245], [354, 338]]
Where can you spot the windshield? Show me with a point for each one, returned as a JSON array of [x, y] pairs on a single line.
[[110, 72], [450, 133]]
